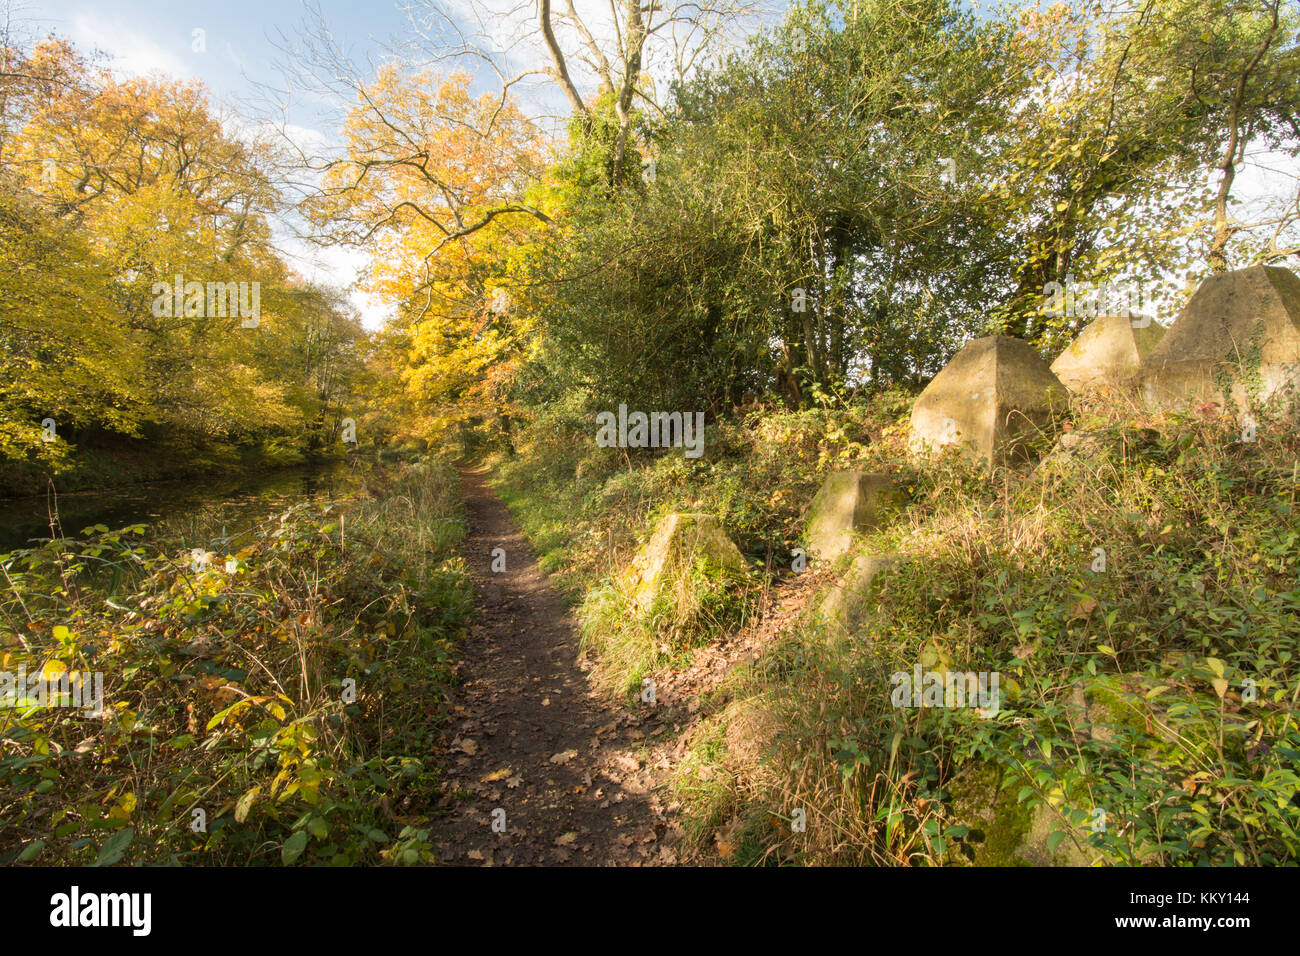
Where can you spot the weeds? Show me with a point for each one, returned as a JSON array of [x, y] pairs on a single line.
[[1138, 591], [273, 705]]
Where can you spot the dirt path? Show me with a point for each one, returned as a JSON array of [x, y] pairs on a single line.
[[531, 738]]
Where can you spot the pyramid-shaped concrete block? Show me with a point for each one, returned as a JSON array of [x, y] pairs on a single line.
[[1108, 352], [849, 503], [994, 395], [679, 540], [847, 603], [1237, 326]]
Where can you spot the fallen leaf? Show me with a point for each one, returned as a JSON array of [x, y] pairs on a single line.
[[627, 763]]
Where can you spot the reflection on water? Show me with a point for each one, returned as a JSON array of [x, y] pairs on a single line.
[[192, 514]]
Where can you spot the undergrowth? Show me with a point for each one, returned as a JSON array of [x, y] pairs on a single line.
[[272, 705], [1139, 598]]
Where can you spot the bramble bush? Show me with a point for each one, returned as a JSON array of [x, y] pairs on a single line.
[[227, 736]]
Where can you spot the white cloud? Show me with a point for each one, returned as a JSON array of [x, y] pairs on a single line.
[[336, 267], [133, 54], [1266, 178]]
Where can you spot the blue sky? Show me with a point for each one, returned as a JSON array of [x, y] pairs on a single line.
[[147, 35], [241, 39], [233, 47]]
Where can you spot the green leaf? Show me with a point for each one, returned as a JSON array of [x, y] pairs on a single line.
[[220, 715], [1054, 840], [31, 851], [246, 803], [115, 847], [293, 847]]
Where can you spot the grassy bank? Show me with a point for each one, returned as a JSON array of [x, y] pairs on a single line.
[[255, 703], [1148, 702]]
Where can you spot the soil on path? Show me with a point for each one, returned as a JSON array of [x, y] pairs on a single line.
[[531, 747]]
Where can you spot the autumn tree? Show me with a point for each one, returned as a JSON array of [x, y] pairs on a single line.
[[115, 189], [435, 184], [613, 64], [1134, 108]]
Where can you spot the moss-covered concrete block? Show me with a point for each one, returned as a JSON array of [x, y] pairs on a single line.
[[1005, 832], [1238, 337], [848, 503], [847, 603], [678, 543], [995, 395], [1107, 352]]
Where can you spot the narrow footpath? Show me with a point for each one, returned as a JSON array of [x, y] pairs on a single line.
[[540, 770]]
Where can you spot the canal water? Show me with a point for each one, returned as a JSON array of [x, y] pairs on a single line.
[[187, 513]]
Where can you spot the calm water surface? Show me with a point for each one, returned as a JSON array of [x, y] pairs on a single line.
[[192, 513]]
